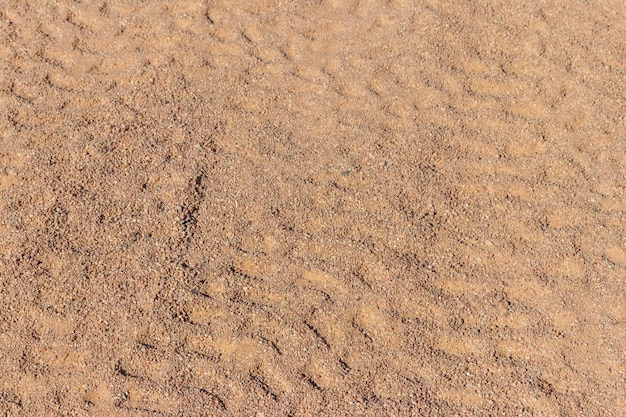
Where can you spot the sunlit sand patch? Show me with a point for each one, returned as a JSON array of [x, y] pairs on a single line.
[[529, 108], [309, 73], [279, 382], [8, 179], [31, 388], [469, 396], [561, 319], [413, 305], [213, 286], [324, 373], [332, 327], [517, 321], [61, 360], [540, 405], [154, 334], [459, 286], [373, 273], [528, 291], [497, 88], [563, 217], [459, 345], [559, 170], [616, 255], [373, 320], [594, 358], [270, 244], [526, 232], [570, 267], [268, 54], [563, 379], [526, 146], [253, 267], [14, 160], [244, 352], [204, 314], [323, 281], [267, 298], [528, 349], [418, 370], [388, 385], [208, 375], [612, 204], [202, 344], [147, 365], [51, 328], [100, 395], [146, 398]]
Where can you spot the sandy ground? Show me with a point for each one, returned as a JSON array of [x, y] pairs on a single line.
[[368, 208]]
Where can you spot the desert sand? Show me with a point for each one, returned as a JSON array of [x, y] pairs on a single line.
[[313, 208]]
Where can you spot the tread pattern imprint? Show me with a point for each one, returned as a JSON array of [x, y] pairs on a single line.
[[337, 207]]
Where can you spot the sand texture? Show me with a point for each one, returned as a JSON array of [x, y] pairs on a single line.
[[313, 208]]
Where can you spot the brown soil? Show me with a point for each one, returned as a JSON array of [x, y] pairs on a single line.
[[313, 208]]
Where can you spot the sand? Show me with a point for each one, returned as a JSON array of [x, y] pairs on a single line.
[[312, 208]]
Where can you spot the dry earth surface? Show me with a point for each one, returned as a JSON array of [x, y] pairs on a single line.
[[294, 208]]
